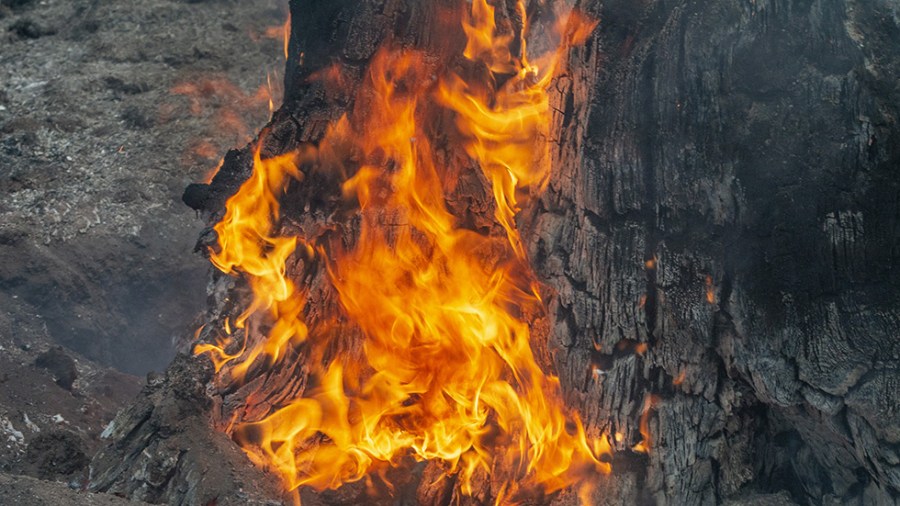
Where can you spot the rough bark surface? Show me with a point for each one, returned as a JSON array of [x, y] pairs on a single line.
[[723, 193], [748, 150]]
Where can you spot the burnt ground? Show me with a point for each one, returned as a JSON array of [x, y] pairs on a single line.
[[95, 151], [107, 111], [29, 491], [54, 407]]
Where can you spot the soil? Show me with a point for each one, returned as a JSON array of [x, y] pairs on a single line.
[[49, 428], [107, 111], [24, 490]]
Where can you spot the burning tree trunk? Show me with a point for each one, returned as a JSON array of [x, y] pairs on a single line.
[[716, 248]]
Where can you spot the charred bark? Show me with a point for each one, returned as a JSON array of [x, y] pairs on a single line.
[[731, 204], [722, 195]]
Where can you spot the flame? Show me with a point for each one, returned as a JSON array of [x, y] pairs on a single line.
[[643, 446], [231, 111], [286, 35], [446, 371], [248, 244], [710, 290], [233, 114], [485, 45], [508, 129], [280, 32], [211, 173]]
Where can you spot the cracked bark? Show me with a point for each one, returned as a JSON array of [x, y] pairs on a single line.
[[747, 148]]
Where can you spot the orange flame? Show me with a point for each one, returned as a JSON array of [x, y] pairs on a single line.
[[643, 446], [710, 290], [232, 111], [280, 32], [248, 245], [447, 372], [508, 129]]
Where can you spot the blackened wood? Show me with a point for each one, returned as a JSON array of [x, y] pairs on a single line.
[[749, 151]]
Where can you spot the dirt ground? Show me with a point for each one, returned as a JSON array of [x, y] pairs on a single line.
[[22, 490], [107, 111]]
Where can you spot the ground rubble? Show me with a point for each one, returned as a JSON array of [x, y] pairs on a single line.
[[98, 273]]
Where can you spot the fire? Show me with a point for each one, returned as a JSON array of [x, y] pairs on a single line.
[[710, 290], [509, 137], [281, 33], [643, 446], [249, 245], [446, 371], [233, 114]]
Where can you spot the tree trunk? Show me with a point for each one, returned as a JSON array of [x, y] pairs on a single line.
[[748, 148], [720, 236]]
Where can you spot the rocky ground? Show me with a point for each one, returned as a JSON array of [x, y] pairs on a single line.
[[29, 491], [54, 406], [107, 111]]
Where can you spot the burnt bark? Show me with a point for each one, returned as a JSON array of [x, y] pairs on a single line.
[[727, 196], [723, 193]]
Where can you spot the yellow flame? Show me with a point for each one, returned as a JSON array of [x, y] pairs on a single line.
[[643, 446], [447, 371], [247, 244]]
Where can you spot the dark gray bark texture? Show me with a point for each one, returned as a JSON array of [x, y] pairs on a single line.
[[751, 149], [724, 193]]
